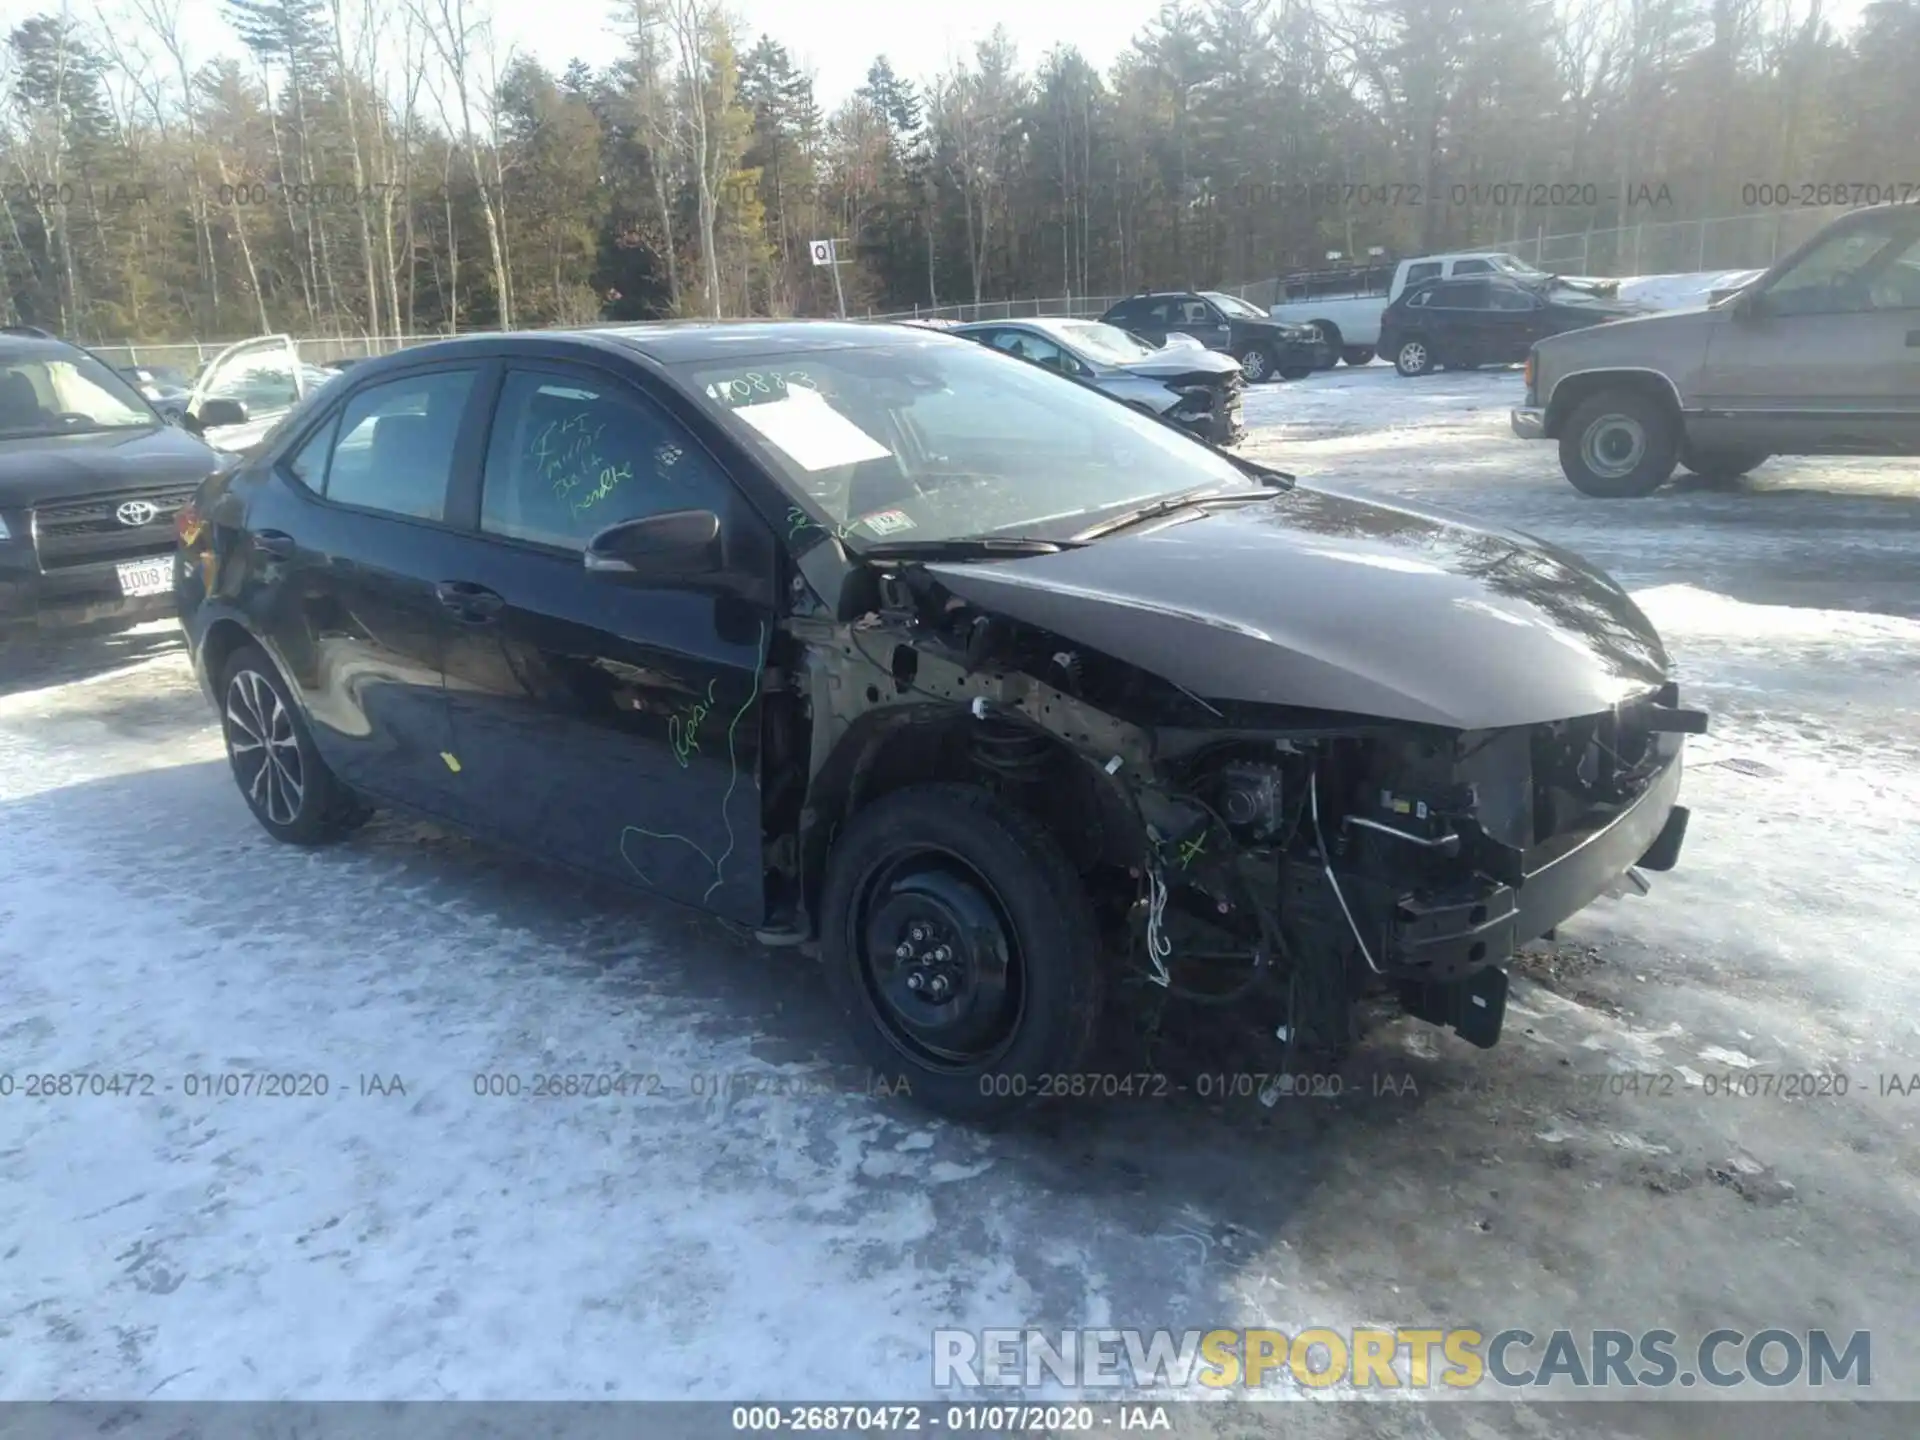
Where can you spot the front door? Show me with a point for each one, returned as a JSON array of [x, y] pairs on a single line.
[[346, 543], [263, 376], [1201, 320], [1829, 359], [612, 725]]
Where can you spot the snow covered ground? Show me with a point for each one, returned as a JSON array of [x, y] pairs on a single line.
[[441, 1243]]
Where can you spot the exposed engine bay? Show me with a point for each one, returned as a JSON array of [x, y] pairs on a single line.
[[1234, 849]]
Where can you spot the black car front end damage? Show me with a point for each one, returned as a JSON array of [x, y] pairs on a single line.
[[1237, 847]]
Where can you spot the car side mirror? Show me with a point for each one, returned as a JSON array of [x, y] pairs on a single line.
[[677, 545], [216, 414]]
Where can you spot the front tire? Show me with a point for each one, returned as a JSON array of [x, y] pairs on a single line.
[[1413, 358], [281, 776], [1256, 363], [1619, 445], [1357, 355], [960, 944]]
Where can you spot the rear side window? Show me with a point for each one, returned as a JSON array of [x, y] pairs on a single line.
[[396, 441], [570, 456]]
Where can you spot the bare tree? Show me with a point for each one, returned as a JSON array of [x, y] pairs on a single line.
[[453, 31]]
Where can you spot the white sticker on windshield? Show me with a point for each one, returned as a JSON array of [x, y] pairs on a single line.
[[886, 522], [816, 435]]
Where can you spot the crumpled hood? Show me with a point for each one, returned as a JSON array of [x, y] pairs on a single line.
[[1166, 364], [65, 467], [1330, 602]]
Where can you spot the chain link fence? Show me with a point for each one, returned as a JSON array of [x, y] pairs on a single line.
[[1735, 242]]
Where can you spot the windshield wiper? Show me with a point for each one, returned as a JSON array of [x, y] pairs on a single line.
[[1172, 505], [1278, 479], [966, 547]]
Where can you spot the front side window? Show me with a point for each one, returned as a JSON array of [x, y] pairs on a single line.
[[570, 456], [67, 395], [938, 441], [1469, 295], [396, 444], [1036, 348], [1870, 267], [1511, 297], [1424, 271], [1472, 267]]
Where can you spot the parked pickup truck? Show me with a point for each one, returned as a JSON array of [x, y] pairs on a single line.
[[1818, 356], [1345, 304]]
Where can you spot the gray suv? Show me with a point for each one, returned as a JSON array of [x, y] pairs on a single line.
[[1818, 356]]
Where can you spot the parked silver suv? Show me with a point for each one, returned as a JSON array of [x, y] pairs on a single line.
[[1818, 356]]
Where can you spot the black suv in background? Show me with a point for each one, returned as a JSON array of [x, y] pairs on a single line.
[[90, 480], [1265, 347], [1463, 324]]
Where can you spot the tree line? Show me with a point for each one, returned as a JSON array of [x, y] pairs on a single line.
[[353, 167]]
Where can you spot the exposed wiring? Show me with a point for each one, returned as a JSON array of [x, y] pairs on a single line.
[[1159, 947], [1326, 862]]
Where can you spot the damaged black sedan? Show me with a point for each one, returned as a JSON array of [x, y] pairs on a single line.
[[1002, 699]]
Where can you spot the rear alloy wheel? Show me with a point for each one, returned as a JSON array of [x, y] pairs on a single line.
[[1413, 359], [1256, 364], [1357, 355], [960, 944], [290, 790], [1619, 444]]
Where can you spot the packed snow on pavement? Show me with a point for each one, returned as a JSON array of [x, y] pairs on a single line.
[[792, 1234]]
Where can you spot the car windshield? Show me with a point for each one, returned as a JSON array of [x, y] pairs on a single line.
[[1106, 342], [945, 440], [1234, 305], [67, 394]]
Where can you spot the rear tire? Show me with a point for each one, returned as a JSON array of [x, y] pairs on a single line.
[[1296, 373], [1619, 445], [1357, 355], [990, 911], [1413, 358], [286, 784]]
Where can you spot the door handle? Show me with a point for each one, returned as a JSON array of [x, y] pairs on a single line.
[[474, 604], [276, 543]]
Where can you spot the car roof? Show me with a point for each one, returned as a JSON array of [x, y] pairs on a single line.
[[33, 347], [672, 342], [1047, 324]]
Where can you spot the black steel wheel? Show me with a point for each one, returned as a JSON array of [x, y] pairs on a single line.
[[960, 944]]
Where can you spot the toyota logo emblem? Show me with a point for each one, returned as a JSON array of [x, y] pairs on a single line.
[[136, 512]]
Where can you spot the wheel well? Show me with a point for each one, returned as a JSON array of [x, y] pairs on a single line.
[[1040, 774], [223, 637], [1570, 393], [1329, 331]]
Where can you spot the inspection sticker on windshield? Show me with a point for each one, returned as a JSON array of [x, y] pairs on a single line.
[[816, 435], [886, 522]]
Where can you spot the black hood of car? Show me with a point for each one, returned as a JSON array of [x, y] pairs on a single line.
[[66, 467], [1328, 602]]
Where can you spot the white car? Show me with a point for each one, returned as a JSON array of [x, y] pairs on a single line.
[[248, 388]]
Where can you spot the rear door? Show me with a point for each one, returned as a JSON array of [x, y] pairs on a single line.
[[612, 725], [345, 541], [1456, 320], [1831, 358], [1514, 319]]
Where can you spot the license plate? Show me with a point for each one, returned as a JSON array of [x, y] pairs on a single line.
[[146, 577]]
